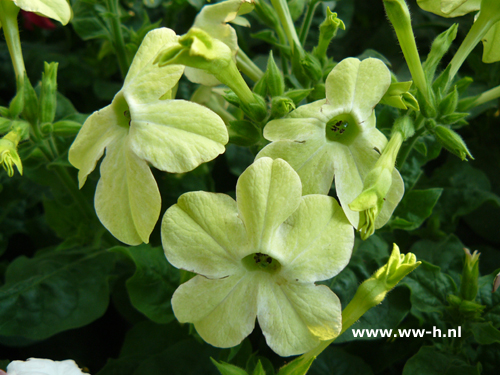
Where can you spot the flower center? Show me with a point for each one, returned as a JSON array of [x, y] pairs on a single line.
[[121, 110], [342, 128], [261, 262]]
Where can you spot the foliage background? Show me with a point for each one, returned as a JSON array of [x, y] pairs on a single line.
[[69, 293]]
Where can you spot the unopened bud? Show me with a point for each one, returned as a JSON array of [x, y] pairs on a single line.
[[470, 276], [281, 106], [274, 78], [48, 94], [450, 140]]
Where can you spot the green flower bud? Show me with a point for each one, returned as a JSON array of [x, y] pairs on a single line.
[[398, 96], [5, 124], [243, 133], [260, 87], [470, 275], [298, 95], [8, 152], [452, 142], [377, 184], [449, 103], [274, 78], [4, 111], [48, 94], [327, 31], [266, 13], [373, 291], [469, 310], [439, 47], [281, 106], [312, 67], [30, 110], [66, 128]]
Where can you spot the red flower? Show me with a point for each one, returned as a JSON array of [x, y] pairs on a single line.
[[33, 19]]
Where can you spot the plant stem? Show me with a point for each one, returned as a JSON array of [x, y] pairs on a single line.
[[8, 20], [247, 66], [407, 147], [118, 42], [281, 8], [399, 15], [306, 24], [486, 96]]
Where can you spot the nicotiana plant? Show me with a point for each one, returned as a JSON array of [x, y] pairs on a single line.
[[285, 166]]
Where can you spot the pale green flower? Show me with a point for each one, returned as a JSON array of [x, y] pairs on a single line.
[[259, 257], [491, 28], [214, 19], [9, 157], [143, 125], [58, 10], [337, 136]]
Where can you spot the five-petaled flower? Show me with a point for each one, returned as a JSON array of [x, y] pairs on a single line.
[[259, 257], [144, 125], [337, 137]]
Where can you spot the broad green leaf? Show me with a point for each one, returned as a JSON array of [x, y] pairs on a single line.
[[429, 288], [450, 8], [430, 361], [485, 333], [446, 253], [153, 283], [489, 299], [465, 189], [54, 292], [414, 208], [87, 22]]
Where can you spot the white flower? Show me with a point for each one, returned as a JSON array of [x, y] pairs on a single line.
[[38, 366]]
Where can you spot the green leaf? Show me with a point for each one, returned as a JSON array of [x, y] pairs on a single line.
[[335, 360], [228, 369], [430, 361], [465, 189], [153, 283], [298, 367], [485, 333], [87, 23], [54, 292], [489, 299], [447, 253], [414, 208], [429, 288]]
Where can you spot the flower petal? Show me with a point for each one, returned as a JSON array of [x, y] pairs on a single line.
[[449, 8], [202, 233], [312, 159], [214, 18], [146, 82], [267, 193], [176, 135], [357, 86], [348, 182], [127, 200], [295, 127], [491, 43], [392, 199], [98, 131], [318, 240], [223, 311], [58, 10], [295, 317]]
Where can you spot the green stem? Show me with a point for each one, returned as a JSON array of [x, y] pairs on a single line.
[[407, 147], [306, 24], [486, 96], [281, 8], [399, 15], [8, 20], [248, 67], [118, 42], [232, 78]]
